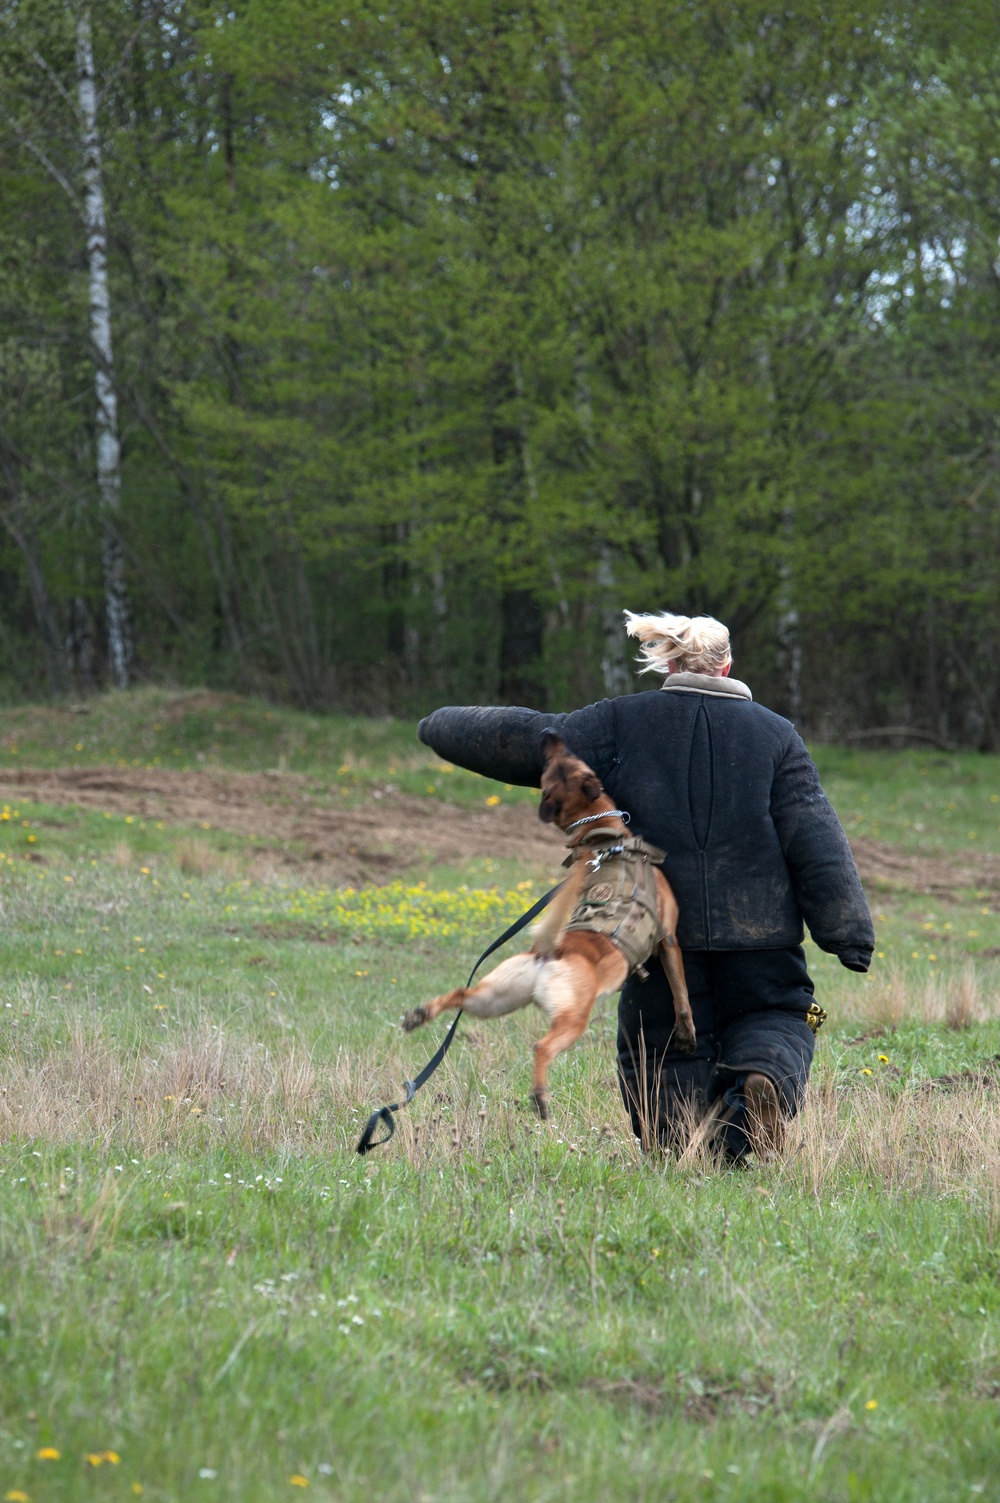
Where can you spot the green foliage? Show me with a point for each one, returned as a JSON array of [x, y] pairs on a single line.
[[446, 333]]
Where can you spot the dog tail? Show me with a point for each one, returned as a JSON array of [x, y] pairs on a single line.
[[550, 927]]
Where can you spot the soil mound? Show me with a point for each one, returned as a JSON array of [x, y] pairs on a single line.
[[301, 820], [303, 824]]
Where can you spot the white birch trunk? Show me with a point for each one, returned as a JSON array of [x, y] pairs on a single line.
[[108, 446]]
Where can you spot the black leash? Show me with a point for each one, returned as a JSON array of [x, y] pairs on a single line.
[[386, 1114]]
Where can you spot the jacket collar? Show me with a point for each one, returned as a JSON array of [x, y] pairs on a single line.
[[707, 683]]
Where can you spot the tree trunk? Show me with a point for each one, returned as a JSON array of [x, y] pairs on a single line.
[[119, 626], [789, 639], [521, 650], [55, 661]]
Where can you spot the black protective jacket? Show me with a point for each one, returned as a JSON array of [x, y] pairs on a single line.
[[724, 786]]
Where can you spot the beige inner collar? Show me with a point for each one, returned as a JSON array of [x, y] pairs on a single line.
[[707, 683]]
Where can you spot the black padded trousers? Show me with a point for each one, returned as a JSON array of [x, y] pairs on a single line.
[[749, 1011]]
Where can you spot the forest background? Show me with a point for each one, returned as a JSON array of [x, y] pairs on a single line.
[[434, 335]]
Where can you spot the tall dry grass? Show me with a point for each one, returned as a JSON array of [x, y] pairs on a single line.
[[205, 1088], [955, 998], [197, 859]]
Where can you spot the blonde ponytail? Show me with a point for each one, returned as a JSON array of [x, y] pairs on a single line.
[[684, 644]]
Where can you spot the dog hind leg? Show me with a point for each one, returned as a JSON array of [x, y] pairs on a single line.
[[506, 989], [566, 995]]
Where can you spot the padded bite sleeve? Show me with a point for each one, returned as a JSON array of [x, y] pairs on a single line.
[[498, 741]]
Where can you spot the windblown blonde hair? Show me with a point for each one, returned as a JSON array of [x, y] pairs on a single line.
[[684, 644]]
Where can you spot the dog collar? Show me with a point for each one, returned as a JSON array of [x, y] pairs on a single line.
[[588, 819]]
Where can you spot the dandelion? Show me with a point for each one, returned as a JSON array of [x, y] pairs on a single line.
[[872, 1404], [144, 870], [47, 1453], [493, 800], [883, 1059], [297, 1480], [95, 1458], [137, 1488], [16, 1496], [866, 1072], [111, 1456]]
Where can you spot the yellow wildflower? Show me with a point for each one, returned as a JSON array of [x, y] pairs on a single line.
[[872, 1404], [883, 1059], [94, 1458], [47, 1453], [493, 800], [16, 1496], [111, 1456], [297, 1480]]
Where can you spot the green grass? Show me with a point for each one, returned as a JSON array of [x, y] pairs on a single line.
[[919, 801], [200, 1276]]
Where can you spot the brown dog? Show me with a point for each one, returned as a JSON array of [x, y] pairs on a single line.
[[571, 964]]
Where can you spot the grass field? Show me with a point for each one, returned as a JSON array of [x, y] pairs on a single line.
[[207, 1295]]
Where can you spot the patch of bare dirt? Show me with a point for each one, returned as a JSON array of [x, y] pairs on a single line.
[[302, 825], [299, 818], [885, 866]]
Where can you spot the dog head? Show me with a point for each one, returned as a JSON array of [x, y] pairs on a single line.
[[570, 788]]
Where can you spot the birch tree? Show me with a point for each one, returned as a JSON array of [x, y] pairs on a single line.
[[108, 445]]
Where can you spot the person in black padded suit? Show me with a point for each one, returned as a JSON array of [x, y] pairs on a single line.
[[753, 849]]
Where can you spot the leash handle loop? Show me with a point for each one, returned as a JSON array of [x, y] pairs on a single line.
[[386, 1114], [368, 1140]]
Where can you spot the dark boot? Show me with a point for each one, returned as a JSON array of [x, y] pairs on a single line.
[[765, 1121]]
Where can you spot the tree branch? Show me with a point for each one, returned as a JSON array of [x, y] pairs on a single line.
[[154, 15], [50, 166], [53, 77]]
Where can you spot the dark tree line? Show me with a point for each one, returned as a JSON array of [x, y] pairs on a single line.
[[439, 334]]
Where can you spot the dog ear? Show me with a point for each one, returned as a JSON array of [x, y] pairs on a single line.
[[546, 811], [553, 745], [591, 787]]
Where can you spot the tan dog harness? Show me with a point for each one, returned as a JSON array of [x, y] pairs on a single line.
[[618, 897]]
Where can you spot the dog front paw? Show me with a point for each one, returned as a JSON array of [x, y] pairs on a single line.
[[684, 1038], [414, 1018], [540, 1101]]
